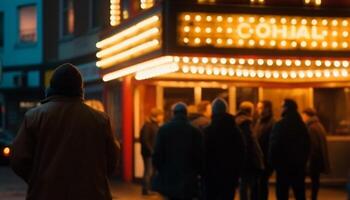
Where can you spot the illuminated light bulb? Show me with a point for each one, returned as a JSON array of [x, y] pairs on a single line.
[[345, 22], [273, 20], [309, 74], [268, 74], [240, 42], [232, 61], [345, 34], [197, 40], [288, 63], [297, 63], [345, 63], [262, 20], [303, 44], [245, 73], [187, 17], [345, 45], [283, 43], [324, 22], [327, 63], [251, 61], [240, 19], [308, 63], [325, 33], [223, 61], [185, 69], [208, 40], [239, 73], [293, 21], [187, 29], [219, 29], [262, 42], [334, 33], [214, 60], [205, 60], [314, 44], [229, 41], [335, 22], [336, 73], [251, 19], [241, 61], [209, 18], [198, 18], [293, 74], [209, 71], [303, 21], [219, 41], [273, 43], [318, 2], [201, 70], [336, 63], [327, 73], [208, 30], [318, 74], [251, 42], [314, 22], [176, 59], [269, 62], [324, 44], [276, 74], [193, 69], [186, 59], [252, 73], [318, 63], [195, 60], [301, 74], [231, 72], [294, 44], [307, 1], [279, 62], [230, 19], [197, 29], [261, 62], [334, 44], [344, 73], [283, 20], [219, 18], [223, 71], [186, 40], [229, 30], [260, 74]]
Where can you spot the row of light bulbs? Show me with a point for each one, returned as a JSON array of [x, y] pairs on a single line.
[[264, 19], [250, 73], [263, 62]]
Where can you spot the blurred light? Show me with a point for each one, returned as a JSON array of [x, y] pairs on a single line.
[[6, 151]]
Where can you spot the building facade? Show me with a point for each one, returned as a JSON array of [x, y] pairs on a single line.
[[189, 51]]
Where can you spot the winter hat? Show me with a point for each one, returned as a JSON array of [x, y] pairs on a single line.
[[179, 108], [66, 80], [219, 106], [290, 105]]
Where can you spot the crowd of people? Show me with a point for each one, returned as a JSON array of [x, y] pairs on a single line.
[[204, 152]]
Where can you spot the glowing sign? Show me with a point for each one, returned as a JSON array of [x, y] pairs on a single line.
[[262, 31]]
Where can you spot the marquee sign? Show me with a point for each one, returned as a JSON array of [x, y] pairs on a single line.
[[263, 31]]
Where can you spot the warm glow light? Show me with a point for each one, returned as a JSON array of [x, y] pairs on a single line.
[[6, 151], [146, 4], [156, 71], [115, 12]]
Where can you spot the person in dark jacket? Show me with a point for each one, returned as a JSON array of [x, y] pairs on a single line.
[[224, 152], [262, 131], [289, 152], [319, 159], [203, 120], [177, 157], [64, 149], [148, 137], [253, 164]]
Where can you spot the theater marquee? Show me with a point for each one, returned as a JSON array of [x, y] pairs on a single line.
[[263, 31]]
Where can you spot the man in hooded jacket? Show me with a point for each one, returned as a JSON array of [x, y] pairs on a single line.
[[64, 149]]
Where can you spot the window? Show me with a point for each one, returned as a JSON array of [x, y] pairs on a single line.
[[27, 24], [67, 17], [1, 29], [95, 15]]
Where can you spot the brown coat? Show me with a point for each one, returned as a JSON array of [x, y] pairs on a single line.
[[65, 150]]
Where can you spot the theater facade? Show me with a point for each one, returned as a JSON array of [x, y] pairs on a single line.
[[190, 51]]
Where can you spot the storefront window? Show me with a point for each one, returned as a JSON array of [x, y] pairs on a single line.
[[333, 108], [209, 94], [174, 95], [27, 24], [247, 94]]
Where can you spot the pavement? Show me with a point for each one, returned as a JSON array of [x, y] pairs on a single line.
[[13, 188]]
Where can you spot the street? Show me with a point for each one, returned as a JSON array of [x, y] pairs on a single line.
[[13, 188]]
